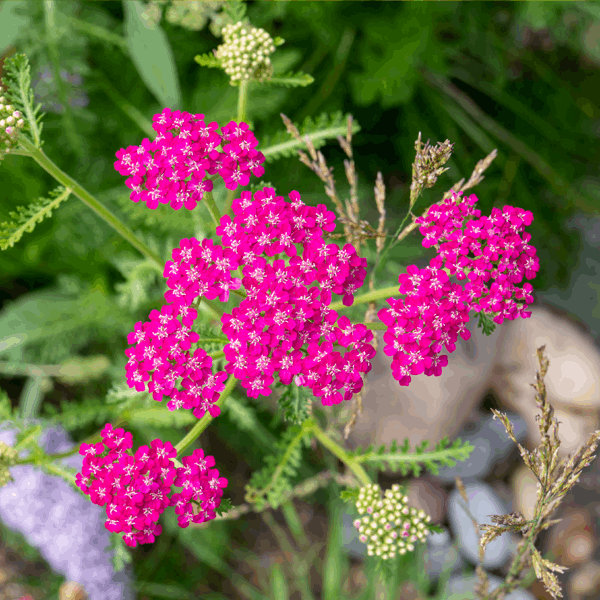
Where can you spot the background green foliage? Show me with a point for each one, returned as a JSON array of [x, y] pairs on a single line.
[[520, 77]]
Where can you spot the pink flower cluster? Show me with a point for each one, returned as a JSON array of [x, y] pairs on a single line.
[[162, 345], [135, 488], [282, 314], [202, 489], [172, 168], [435, 311]]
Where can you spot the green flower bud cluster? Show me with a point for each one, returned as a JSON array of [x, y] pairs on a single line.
[[189, 14], [245, 53], [8, 457], [11, 122], [390, 526]]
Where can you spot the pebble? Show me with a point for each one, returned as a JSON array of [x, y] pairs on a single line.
[[525, 489], [572, 540], [461, 587], [491, 443], [483, 501], [585, 582], [441, 555]]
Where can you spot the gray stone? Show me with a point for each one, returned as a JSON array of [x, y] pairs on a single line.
[[462, 587], [483, 502], [491, 443]]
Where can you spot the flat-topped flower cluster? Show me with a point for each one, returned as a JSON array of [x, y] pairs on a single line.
[[282, 327], [273, 253], [172, 169], [435, 311], [136, 488]]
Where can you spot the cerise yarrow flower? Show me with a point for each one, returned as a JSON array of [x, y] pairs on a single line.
[[285, 312], [135, 487], [173, 168], [435, 311]]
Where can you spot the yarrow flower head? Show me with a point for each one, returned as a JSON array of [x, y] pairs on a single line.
[[282, 328], [11, 122], [245, 53], [173, 168], [435, 311], [389, 526], [135, 487]]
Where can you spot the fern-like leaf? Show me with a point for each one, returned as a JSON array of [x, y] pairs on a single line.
[[290, 79], [325, 127], [296, 403], [17, 79], [235, 10], [208, 60], [270, 484], [75, 415], [400, 458], [27, 217]]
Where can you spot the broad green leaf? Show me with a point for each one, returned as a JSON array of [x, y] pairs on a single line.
[[13, 21], [152, 55]]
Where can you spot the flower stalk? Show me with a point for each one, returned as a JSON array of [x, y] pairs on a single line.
[[336, 449], [50, 167], [205, 421]]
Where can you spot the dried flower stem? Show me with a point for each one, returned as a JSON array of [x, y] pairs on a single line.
[[555, 480]]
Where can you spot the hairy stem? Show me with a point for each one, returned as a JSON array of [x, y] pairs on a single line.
[[203, 423], [336, 449], [40, 157]]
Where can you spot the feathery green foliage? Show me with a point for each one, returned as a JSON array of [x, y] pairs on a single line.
[[290, 79], [445, 453], [75, 415], [325, 127], [25, 218], [17, 79], [208, 60], [270, 484], [487, 325], [296, 403]]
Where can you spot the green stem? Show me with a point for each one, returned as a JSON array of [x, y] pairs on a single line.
[[203, 423], [40, 157], [370, 297], [336, 449], [210, 204], [242, 101], [374, 326]]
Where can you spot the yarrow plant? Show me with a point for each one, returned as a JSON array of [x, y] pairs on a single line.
[[136, 487], [286, 337]]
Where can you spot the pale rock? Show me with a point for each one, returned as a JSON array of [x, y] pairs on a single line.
[[525, 489], [573, 378], [430, 408], [428, 496], [585, 581], [572, 540]]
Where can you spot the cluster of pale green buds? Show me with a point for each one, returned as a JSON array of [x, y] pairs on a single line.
[[245, 53], [10, 124], [390, 526], [189, 14], [8, 457]]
